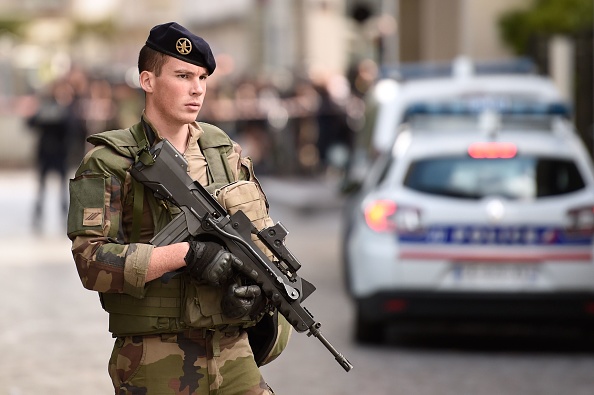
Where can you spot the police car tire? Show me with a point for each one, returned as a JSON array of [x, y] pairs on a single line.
[[368, 332]]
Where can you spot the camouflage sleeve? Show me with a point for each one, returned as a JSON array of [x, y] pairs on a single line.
[[105, 263]]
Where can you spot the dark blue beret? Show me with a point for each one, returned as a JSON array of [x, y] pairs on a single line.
[[175, 40]]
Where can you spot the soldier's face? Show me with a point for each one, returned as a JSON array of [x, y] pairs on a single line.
[[178, 92]]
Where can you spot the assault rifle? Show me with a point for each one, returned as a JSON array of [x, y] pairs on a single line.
[[165, 173]]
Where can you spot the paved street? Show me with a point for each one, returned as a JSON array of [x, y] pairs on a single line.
[[54, 339], [53, 336]]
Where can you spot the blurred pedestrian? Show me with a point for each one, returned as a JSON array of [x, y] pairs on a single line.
[[78, 79], [334, 137], [53, 121], [188, 335], [251, 125], [100, 107]]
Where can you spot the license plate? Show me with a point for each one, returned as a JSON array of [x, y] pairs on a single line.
[[495, 276]]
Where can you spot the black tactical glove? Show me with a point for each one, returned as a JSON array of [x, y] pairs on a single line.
[[210, 262], [243, 301]]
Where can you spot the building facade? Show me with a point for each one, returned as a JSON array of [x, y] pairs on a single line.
[[268, 36]]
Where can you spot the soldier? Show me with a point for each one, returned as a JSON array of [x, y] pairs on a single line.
[[201, 331]]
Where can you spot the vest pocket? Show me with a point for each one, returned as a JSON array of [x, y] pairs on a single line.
[[200, 303], [202, 307], [248, 197], [157, 312]]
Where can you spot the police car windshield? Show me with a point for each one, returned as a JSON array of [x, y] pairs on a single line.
[[516, 178]]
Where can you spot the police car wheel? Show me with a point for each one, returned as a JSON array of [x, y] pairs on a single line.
[[367, 332]]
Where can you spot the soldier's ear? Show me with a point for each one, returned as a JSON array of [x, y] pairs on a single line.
[[146, 80]]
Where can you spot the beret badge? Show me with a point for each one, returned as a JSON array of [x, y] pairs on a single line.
[[183, 46]]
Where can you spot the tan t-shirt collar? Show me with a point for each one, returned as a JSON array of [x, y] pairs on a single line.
[[194, 129]]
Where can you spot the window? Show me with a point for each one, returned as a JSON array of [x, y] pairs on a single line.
[[517, 178]]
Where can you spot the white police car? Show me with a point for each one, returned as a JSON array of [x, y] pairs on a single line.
[[483, 209], [389, 101]]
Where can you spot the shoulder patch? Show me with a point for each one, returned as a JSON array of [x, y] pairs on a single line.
[[93, 216]]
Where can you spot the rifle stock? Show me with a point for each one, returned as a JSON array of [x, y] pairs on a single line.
[[166, 175]]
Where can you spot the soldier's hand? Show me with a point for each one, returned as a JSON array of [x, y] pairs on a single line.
[[243, 301], [210, 262]]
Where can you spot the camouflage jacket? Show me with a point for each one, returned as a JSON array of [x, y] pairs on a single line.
[[100, 224], [109, 261]]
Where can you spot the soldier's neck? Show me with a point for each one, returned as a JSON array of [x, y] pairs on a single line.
[[177, 135], [179, 138]]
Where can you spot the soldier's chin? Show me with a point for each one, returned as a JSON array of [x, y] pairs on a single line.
[[190, 116]]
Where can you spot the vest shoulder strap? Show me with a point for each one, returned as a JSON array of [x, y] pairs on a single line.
[[113, 138], [216, 145], [213, 137]]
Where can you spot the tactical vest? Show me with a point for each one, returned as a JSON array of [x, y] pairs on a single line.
[[180, 303]]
